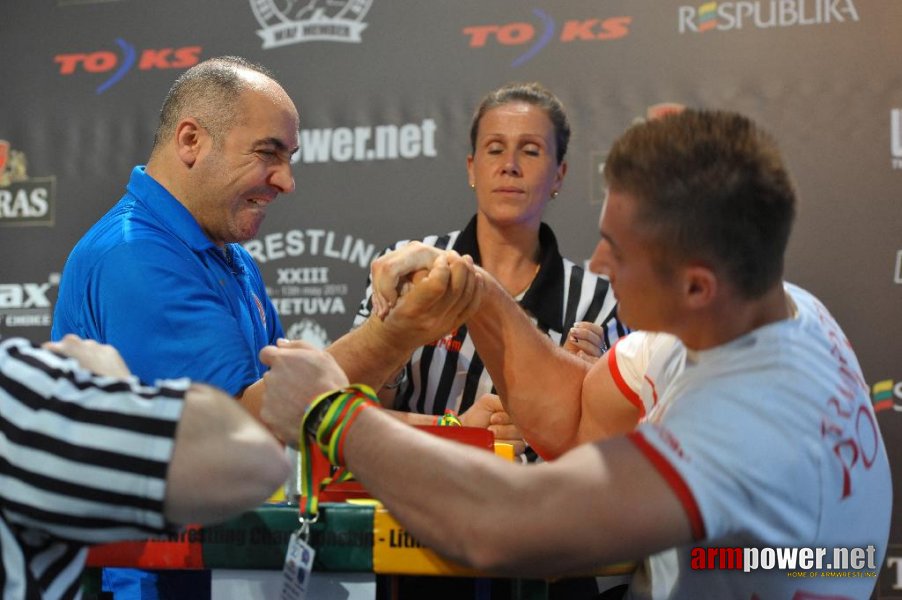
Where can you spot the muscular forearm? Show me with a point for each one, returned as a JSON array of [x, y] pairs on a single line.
[[252, 398], [588, 509], [477, 492], [539, 383], [202, 485], [368, 354]]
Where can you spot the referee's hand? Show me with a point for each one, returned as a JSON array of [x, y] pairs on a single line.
[[488, 412], [101, 359], [585, 340]]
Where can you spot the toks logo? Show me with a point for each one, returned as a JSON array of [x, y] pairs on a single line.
[[287, 23], [23, 200], [104, 61], [538, 36]]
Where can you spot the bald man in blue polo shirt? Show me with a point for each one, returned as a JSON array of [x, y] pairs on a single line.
[[162, 276]]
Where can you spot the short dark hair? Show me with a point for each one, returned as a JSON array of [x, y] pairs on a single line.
[[531, 93], [710, 186], [209, 92]]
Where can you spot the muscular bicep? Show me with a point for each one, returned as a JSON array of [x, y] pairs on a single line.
[[606, 409], [213, 427]]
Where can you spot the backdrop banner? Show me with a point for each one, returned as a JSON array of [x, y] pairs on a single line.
[[386, 89]]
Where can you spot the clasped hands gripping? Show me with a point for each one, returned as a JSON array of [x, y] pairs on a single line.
[[424, 292], [419, 294]]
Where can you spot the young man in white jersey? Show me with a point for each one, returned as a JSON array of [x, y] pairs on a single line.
[[756, 428]]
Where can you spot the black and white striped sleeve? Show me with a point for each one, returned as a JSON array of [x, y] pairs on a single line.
[[82, 457]]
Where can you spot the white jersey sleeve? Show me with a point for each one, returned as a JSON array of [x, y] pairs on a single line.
[[641, 362]]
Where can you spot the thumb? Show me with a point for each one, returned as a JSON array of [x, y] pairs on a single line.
[[268, 355]]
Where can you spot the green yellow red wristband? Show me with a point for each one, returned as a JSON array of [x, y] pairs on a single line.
[[324, 428], [449, 419], [331, 414]]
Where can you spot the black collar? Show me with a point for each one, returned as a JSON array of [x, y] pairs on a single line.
[[544, 299]]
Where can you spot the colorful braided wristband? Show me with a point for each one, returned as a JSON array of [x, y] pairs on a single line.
[[449, 419], [330, 416], [324, 429]]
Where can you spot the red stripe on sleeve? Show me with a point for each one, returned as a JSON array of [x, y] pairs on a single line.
[[625, 389], [673, 479]]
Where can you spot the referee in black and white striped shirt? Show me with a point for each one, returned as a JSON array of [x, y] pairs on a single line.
[[519, 136], [87, 458]]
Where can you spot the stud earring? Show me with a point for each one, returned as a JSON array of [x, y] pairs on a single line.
[[472, 186], [554, 194]]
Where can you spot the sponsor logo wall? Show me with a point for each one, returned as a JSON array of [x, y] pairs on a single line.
[[26, 304], [24, 200], [367, 142], [890, 585], [287, 23], [764, 14], [116, 64], [386, 90], [315, 279], [540, 29]]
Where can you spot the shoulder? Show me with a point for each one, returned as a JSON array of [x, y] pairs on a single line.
[[139, 257], [119, 233], [644, 358]]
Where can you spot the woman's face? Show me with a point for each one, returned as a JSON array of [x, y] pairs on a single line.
[[514, 165]]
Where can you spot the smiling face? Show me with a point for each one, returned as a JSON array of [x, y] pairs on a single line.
[[236, 176], [514, 166]]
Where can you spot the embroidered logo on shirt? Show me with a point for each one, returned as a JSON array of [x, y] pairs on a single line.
[[260, 308], [449, 341]]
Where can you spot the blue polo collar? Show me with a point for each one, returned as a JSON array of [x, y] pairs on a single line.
[[171, 213]]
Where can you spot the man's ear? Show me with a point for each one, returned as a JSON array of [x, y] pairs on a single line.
[[189, 139], [700, 285]]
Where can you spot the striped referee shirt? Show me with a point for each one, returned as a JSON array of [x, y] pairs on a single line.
[[448, 374], [83, 460]]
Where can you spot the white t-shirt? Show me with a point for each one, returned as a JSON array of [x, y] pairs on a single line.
[[642, 363], [769, 441]]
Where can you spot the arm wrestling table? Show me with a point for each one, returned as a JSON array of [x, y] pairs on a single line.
[[355, 540], [353, 543]]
